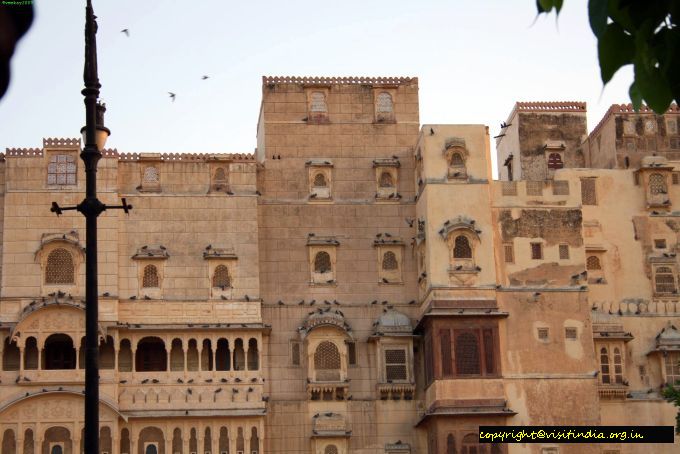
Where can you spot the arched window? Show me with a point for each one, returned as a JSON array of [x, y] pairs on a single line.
[[618, 366], [457, 160], [221, 277], [657, 184], [150, 278], [10, 355], [151, 355], [555, 161], [125, 356], [254, 441], [151, 449], [57, 449], [322, 262], [461, 248], [220, 176], [107, 354], [471, 444], [467, 354], [320, 180], [60, 267], [239, 355], [593, 263], [223, 355], [327, 356], [450, 444], [59, 352], [253, 355], [664, 280], [386, 180], [389, 261], [604, 365], [318, 102], [240, 442], [150, 175], [192, 356], [385, 104], [61, 170], [176, 356], [31, 354], [330, 449]]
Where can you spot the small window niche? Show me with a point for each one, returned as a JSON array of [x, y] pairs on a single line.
[[595, 266], [60, 257], [462, 238], [383, 99], [317, 105], [322, 260], [320, 180], [554, 156], [150, 261], [386, 177], [219, 178], [456, 155], [62, 169], [390, 254], [221, 271], [150, 172]]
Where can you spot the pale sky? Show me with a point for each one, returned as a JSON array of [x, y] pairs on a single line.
[[474, 59]]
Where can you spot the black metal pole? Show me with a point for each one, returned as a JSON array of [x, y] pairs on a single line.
[[91, 207]]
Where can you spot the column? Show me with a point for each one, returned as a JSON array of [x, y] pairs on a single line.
[[168, 446], [75, 440], [215, 434], [20, 443], [245, 357], [199, 347], [115, 441], [199, 437], [185, 441], [246, 438], [21, 361]]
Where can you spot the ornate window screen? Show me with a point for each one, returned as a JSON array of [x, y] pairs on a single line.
[[330, 449], [461, 248], [60, 267], [467, 354], [320, 181], [588, 195], [618, 366], [555, 161], [61, 170], [509, 253], [389, 261], [657, 184], [150, 175], [564, 251], [322, 262], [221, 277], [457, 160], [395, 364], [534, 188], [560, 187], [672, 365], [150, 278], [536, 251], [327, 356], [664, 280], [593, 263]]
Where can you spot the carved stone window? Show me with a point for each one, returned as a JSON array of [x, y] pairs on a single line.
[[295, 353], [221, 278], [588, 194], [317, 105], [389, 261], [571, 333], [534, 188], [351, 353], [664, 280], [61, 170], [327, 362], [564, 251], [462, 248], [322, 257], [386, 174], [384, 107], [456, 155], [543, 334], [320, 180], [151, 175], [509, 188], [151, 179], [657, 184], [593, 263], [60, 268], [150, 278], [457, 160], [537, 251], [330, 449], [396, 367], [605, 373]]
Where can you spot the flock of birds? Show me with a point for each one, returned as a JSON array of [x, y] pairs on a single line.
[[172, 95]]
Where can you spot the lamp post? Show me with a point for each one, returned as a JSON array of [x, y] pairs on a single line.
[[95, 135]]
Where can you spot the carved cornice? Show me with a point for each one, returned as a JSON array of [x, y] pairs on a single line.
[[362, 80]]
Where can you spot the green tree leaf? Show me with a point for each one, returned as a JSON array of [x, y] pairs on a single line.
[[653, 87], [615, 49], [635, 96], [597, 15]]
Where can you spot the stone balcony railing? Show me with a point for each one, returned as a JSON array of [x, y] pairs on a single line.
[[327, 390], [396, 391], [613, 391], [190, 396]]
